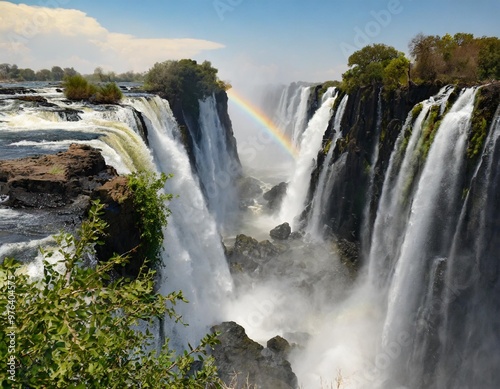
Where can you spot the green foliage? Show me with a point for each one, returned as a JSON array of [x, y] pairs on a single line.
[[184, 81], [151, 205], [457, 58], [109, 93], [76, 328], [78, 88], [484, 111], [416, 110], [324, 87], [375, 64], [396, 73]]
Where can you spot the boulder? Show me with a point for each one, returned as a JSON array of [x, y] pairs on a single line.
[[241, 361], [275, 195], [249, 188], [281, 232], [247, 253]]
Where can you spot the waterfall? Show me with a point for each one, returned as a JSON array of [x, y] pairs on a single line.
[[216, 170], [326, 177], [433, 213], [367, 213], [291, 114], [193, 258], [469, 352], [293, 203], [393, 208]]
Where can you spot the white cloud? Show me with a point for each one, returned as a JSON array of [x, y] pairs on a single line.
[[38, 37]]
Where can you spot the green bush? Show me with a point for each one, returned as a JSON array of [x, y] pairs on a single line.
[[108, 94], [76, 328], [150, 204], [78, 88]]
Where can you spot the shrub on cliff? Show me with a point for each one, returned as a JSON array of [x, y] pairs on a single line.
[[184, 81], [150, 204], [78, 88], [76, 328]]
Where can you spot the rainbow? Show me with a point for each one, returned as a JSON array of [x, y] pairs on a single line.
[[257, 115]]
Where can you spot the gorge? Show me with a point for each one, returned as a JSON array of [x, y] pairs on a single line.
[[389, 278]]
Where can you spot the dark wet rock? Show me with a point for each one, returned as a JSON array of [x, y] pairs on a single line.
[[281, 232], [348, 251], [296, 235], [52, 181], [240, 360], [122, 235], [275, 195], [247, 253], [249, 188]]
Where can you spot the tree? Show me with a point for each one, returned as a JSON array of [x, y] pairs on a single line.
[[27, 74], [368, 65], [69, 72], [489, 58], [184, 82], [396, 72], [44, 75], [57, 73], [77, 328]]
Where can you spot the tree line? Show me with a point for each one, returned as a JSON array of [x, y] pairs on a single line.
[[12, 72], [461, 58]]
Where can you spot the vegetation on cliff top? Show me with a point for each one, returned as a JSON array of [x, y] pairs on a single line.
[[461, 58], [184, 82]]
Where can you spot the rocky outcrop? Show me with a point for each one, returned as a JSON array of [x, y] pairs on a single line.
[[247, 253], [52, 181], [240, 360], [275, 195], [281, 232], [122, 235], [66, 182]]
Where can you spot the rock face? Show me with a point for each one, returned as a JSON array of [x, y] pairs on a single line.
[[281, 232], [123, 235], [238, 359], [247, 253], [52, 181], [275, 195], [344, 213]]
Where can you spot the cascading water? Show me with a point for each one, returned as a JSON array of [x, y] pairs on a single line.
[[293, 203], [468, 332], [393, 208], [193, 259], [320, 199], [216, 170], [429, 230], [367, 213], [291, 115]]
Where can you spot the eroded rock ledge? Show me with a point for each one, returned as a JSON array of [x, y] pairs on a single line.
[[52, 181], [67, 182]]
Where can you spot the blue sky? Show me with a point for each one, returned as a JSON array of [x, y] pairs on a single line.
[[250, 41]]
